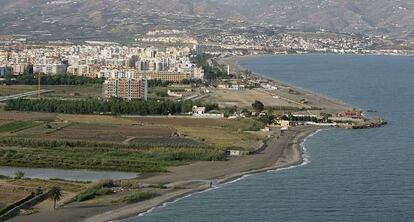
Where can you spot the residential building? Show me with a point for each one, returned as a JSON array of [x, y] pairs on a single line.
[[166, 76], [125, 88]]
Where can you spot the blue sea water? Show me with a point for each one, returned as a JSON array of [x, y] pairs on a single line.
[[353, 175]]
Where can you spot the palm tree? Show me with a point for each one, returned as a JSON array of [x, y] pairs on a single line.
[[55, 193]]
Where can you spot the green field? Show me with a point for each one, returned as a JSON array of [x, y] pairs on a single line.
[[17, 126], [101, 156]]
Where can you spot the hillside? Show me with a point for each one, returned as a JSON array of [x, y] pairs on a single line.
[[89, 18]]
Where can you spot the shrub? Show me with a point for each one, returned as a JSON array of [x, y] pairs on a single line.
[[19, 175], [138, 197]]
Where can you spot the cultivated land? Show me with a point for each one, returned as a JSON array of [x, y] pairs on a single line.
[[116, 143], [100, 142]]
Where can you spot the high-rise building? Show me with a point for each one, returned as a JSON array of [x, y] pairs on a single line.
[[125, 88]]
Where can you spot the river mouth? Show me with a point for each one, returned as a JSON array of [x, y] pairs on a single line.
[[71, 175]]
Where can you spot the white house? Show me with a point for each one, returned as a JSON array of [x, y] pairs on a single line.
[[198, 111]]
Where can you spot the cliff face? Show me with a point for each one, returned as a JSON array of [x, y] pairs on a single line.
[[391, 17]]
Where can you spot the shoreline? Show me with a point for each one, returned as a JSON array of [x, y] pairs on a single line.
[[296, 148], [284, 153], [234, 61]]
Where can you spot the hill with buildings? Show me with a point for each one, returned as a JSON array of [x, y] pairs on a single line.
[[96, 18]]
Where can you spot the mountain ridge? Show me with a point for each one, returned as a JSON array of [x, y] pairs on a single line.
[[393, 18]]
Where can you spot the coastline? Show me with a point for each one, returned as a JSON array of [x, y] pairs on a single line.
[[296, 151], [294, 154], [284, 153], [234, 62]]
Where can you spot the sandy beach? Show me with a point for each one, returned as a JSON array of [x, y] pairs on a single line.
[[331, 105]]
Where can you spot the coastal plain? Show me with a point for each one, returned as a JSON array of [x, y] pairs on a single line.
[[146, 145]]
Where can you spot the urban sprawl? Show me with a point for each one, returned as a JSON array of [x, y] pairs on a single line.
[[124, 68]]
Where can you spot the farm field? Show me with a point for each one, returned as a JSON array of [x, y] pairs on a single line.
[[7, 90], [16, 126], [118, 143], [27, 116], [107, 132], [83, 91], [220, 132]]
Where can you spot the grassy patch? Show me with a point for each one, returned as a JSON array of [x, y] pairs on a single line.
[[7, 90], [17, 126], [166, 141], [138, 197], [100, 188]]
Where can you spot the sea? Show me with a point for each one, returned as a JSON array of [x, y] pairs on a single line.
[[349, 175]]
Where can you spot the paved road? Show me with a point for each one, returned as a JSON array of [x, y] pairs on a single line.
[[26, 94]]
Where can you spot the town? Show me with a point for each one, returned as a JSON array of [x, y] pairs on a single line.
[[114, 110], [175, 97], [176, 74]]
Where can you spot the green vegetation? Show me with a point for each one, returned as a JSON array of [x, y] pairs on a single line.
[[267, 119], [158, 92], [164, 83], [18, 175], [30, 79], [101, 156], [138, 197], [113, 106], [255, 126], [300, 118], [17, 126], [46, 143], [55, 194], [158, 83], [101, 188], [258, 106], [211, 71]]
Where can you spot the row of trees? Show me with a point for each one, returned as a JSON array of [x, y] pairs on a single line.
[[112, 106], [164, 83], [31, 79], [300, 118]]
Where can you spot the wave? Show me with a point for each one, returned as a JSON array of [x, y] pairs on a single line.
[[306, 160], [165, 204]]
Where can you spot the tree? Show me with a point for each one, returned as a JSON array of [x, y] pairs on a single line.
[[258, 106], [19, 175], [55, 194]]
